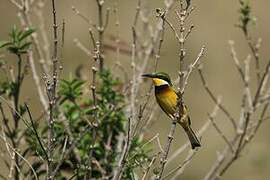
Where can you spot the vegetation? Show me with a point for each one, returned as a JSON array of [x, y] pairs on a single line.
[[96, 127]]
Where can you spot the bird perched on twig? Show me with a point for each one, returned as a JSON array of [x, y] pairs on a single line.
[[167, 99]]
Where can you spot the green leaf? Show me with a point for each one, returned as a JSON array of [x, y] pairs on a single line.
[[14, 34], [25, 46], [77, 84], [4, 43], [25, 34], [13, 50]]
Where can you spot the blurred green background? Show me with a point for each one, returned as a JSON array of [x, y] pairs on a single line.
[[214, 25]]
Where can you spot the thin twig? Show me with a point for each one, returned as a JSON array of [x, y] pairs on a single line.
[[180, 168], [191, 68], [43, 31], [82, 47], [15, 3], [171, 26], [37, 81], [244, 74], [117, 36], [70, 150], [77, 12], [92, 39], [36, 133], [100, 29], [163, 160], [138, 10], [26, 21], [213, 97], [18, 114], [156, 137], [189, 32], [220, 159], [24, 159], [51, 90], [118, 173], [255, 52], [221, 133], [148, 168], [94, 130]]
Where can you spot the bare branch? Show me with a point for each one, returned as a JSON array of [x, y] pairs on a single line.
[[51, 91], [37, 81], [219, 130], [191, 68], [210, 93], [180, 168], [163, 160], [148, 168], [82, 47], [118, 172], [36, 133], [15, 3], [94, 130], [21, 156], [77, 12]]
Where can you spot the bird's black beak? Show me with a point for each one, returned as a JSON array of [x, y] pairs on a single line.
[[148, 75]]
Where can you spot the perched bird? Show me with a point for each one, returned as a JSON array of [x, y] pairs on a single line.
[[167, 99]]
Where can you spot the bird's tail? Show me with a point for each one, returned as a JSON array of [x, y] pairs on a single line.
[[194, 141]]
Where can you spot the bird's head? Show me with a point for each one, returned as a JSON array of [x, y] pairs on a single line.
[[159, 78]]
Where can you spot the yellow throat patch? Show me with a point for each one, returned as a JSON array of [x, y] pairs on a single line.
[[159, 82]]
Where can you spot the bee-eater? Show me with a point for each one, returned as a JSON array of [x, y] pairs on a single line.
[[167, 99]]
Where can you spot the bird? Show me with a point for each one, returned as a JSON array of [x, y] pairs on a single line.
[[167, 98]]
